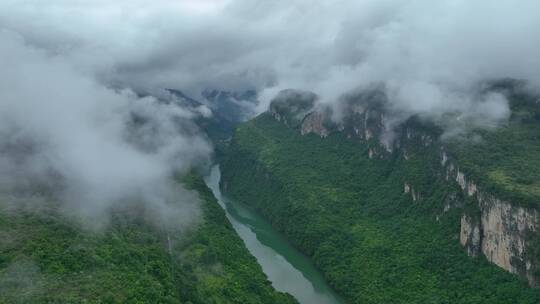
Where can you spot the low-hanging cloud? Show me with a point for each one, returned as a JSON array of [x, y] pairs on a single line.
[[69, 68], [429, 54], [93, 146]]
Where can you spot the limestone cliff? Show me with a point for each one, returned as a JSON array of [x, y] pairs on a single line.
[[506, 229], [471, 235], [314, 123], [504, 232], [291, 106]]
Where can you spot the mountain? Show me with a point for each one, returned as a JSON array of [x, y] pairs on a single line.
[[227, 108], [47, 258], [401, 215], [232, 106], [414, 217]]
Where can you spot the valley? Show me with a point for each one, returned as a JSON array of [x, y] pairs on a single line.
[[269, 152], [47, 258], [352, 209], [288, 270]]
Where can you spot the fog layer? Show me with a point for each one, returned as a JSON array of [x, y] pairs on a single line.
[[69, 70]]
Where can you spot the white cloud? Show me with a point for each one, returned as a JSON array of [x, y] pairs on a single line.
[[68, 66], [63, 128]]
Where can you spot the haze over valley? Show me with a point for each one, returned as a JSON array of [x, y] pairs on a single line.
[[235, 151]]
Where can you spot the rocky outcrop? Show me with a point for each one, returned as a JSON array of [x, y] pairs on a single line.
[[363, 116], [503, 232], [470, 235], [314, 123], [406, 188], [415, 195], [291, 106], [506, 229]]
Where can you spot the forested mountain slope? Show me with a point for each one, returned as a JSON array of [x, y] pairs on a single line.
[[383, 224], [45, 258]]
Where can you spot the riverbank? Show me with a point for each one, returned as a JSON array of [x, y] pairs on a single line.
[[289, 270]]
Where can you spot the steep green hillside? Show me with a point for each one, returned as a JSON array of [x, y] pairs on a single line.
[[46, 259], [505, 161], [350, 213]]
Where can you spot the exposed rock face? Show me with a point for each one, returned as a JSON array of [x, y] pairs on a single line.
[[406, 155], [444, 158], [415, 195], [460, 179], [276, 115], [470, 235], [503, 232], [291, 106], [314, 123], [406, 188], [500, 230]]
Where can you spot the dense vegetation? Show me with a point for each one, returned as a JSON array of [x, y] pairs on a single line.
[[373, 242], [505, 161], [45, 258]]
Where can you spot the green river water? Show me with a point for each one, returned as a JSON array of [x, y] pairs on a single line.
[[288, 269]]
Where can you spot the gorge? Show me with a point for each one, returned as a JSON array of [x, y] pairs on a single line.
[[399, 214], [287, 269]]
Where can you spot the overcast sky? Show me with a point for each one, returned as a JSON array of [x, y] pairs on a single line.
[[328, 46], [68, 69]]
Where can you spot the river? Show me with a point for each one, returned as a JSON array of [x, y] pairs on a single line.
[[288, 269]]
